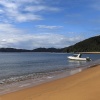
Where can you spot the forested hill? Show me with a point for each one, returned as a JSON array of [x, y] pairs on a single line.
[[89, 45]]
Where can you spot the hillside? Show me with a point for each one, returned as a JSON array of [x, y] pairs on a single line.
[[89, 45]]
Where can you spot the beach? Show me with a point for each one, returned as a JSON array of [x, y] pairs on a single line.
[[84, 85]]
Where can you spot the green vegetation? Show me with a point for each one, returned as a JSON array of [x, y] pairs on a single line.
[[89, 45]]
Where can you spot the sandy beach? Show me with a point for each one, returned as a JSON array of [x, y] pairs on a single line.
[[81, 86]]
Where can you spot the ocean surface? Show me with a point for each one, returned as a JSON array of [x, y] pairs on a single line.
[[22, 66]]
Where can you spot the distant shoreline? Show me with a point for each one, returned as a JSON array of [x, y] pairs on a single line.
[[90, 52], [52, 50]]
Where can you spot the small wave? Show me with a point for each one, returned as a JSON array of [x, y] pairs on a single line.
[[20, 78], [28, 76], [47, 74]]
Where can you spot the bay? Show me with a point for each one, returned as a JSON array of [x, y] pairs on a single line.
[[25, 63]]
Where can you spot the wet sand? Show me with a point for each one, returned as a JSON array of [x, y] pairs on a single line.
[[81, 86]]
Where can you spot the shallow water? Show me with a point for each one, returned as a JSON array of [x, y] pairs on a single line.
[[18, 64], [16, 68]]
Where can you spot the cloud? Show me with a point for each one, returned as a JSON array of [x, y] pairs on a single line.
[[28, 1], [14, 37], [49, 27], [27, 17], [23, 10], [41, 8], [13, 11], [8, 28]]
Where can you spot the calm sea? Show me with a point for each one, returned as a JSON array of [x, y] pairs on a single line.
[[20, 64]]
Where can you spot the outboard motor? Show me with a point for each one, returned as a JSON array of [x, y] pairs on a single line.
[[88, 59]]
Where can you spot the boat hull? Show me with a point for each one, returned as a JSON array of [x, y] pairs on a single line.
[[75, 58]]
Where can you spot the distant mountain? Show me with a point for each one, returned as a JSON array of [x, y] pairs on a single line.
[[34, 50], [47, 50], [89, 45], [13, 50]]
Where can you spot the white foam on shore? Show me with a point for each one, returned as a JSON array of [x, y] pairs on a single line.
[[75, 71], [24, 85]]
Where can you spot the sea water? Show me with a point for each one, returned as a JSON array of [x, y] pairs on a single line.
[[18, 67]]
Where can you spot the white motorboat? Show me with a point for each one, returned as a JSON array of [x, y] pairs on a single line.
[[78, 57]]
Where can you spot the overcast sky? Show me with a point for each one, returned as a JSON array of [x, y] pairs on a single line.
[[30, 24]]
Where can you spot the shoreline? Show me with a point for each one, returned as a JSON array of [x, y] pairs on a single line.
[[16, 86], [80, 86], [50, 79]]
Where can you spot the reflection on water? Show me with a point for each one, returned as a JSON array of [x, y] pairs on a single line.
[[76, 63]]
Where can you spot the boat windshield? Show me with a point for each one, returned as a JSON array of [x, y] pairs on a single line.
[[77, 55]]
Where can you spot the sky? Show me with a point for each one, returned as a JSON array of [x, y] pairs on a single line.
[[30, 24]]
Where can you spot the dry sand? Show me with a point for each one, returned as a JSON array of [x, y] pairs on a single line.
[[81, 86]]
